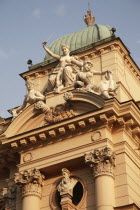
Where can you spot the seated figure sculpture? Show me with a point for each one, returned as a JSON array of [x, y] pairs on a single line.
[[64, 69], [84, 81], [31, 97]]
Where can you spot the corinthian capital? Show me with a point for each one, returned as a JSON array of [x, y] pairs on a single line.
[[31, 182], [102, 161]]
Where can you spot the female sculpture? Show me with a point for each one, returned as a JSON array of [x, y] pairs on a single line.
[[65, 76]]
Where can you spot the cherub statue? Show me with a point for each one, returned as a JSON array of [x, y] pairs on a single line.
[[64, 69], [67, 183], [31, 97], [84, 81]]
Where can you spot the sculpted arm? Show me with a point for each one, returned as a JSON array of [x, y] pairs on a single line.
[[39, 95], [78, 63], [99, 73], [49, 51]]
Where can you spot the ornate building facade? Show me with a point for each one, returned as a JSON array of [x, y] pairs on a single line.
[[74, 142]]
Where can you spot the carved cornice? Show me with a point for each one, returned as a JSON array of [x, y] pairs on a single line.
[[31, 182], [114, 116], [102, 162]]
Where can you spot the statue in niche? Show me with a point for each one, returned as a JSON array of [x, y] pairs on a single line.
[[64, 72], [67, 183], [84, 81], [31, 97]]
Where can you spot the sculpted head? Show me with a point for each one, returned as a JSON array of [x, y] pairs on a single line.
[[107, 152], [25, 174], [96, 153], [65, 48], [66, 172], [87, 65], [29, 84]]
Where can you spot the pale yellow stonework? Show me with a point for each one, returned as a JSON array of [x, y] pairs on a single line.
[[31, 142]]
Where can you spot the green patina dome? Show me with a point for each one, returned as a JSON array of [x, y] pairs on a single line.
[[80, 39]]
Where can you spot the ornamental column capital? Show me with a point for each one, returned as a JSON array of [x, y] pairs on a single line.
[[31, 182], [102, 161]]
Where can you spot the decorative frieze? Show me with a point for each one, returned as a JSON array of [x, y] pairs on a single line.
[[102, 161], [59, 113], [31, 182]]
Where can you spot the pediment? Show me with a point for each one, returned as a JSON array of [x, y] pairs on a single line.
[[30, 119]]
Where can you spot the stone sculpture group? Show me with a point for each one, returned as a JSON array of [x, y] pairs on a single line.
[[71, 71]]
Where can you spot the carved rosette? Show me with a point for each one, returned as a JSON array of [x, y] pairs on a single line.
[[68, 96], [31, 182], [102, 162]]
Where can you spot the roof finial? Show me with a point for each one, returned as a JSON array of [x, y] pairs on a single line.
[[89, 18]]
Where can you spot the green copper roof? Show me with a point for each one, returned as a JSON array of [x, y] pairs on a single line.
[[81, 39]]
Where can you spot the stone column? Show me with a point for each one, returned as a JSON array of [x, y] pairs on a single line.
[[31, 185], [103, 163]]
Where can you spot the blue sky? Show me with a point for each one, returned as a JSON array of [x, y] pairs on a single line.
[[25, 24]]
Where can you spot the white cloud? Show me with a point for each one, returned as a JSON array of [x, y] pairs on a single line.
[[60, 10], [36, 13], [138, 41]]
